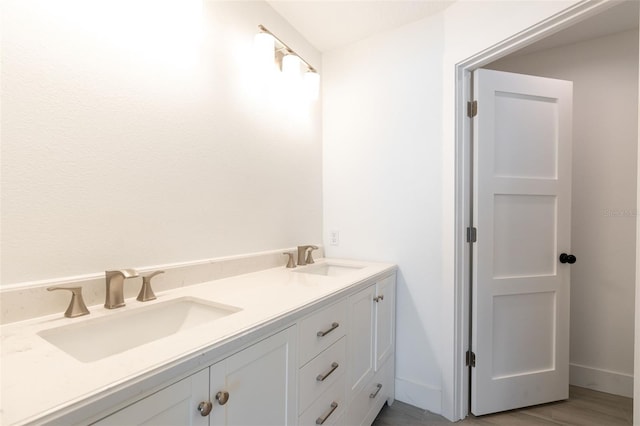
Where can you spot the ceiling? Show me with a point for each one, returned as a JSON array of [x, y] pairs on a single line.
[[623, 17], [329, 24]]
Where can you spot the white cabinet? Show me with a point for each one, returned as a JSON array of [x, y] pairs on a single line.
[[321, 383], [174, 405], [361, 338], [385, 314], [334, 366], [320, 373], [321, 329], [260, 382], [255, 386], [328, 408], [371, 347]]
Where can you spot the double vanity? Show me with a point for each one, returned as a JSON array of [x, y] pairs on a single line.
[[281, 346]]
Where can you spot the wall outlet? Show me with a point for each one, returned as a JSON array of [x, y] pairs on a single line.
[[334, 238]]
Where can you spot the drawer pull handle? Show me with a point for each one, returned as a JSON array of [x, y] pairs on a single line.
[[379, 298], [324, 333], [321, 377], [374, 394], [222, 397], [321, 420], [205, 408]]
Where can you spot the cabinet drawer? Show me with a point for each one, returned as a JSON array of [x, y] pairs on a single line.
[[320, 330], [323, 407], [365, 405], [330, 364]]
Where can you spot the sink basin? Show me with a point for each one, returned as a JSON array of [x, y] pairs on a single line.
[[328, 269], [92, 340]]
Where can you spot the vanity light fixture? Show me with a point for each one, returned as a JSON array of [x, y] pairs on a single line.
[[271, 50]]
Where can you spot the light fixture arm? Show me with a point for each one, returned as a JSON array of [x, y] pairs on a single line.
[[286, 47]]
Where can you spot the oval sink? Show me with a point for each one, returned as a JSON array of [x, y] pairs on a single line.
[[95, 339], [328, 269]]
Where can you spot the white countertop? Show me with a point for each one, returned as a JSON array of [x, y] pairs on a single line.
[[38, 380]]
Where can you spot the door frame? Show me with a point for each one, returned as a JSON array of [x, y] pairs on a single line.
[[464, 174]]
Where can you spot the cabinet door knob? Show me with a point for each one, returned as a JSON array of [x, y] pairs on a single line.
[[222, 397], [205, 408], [379, 298], [567, 258]]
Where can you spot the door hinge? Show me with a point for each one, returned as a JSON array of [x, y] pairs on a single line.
[[470, 359], [472, 234], [472, 108]]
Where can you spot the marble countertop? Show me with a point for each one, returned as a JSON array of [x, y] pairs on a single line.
[[39, 381]]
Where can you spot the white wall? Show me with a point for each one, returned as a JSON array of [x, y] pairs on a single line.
[[605, 129], [382, 174], [389, 171], [136, 133]]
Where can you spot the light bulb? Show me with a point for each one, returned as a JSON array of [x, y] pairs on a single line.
[[291, 67], [264, 46], [312, 85]]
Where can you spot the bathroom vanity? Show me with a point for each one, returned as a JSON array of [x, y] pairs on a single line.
[[309, 345]]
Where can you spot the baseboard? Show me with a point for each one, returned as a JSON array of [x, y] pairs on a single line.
[[601, 380], [419, 395]]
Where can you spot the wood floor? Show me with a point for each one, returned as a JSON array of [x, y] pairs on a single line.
[[584, 408]]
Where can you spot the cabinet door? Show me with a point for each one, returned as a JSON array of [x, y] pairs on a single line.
[[260, 383], [385, 319], [360, 339], [174, 405]]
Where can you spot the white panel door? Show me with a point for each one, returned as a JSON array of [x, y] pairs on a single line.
[[522, 211]]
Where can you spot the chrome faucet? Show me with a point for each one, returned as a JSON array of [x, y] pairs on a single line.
[[302, 252], [115, 283]]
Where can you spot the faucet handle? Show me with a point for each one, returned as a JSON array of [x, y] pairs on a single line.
[[290, 262], [310, 249], [146, 292], [76, 308]]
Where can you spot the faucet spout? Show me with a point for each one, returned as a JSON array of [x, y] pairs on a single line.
[[302, 254], [114, 297]]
